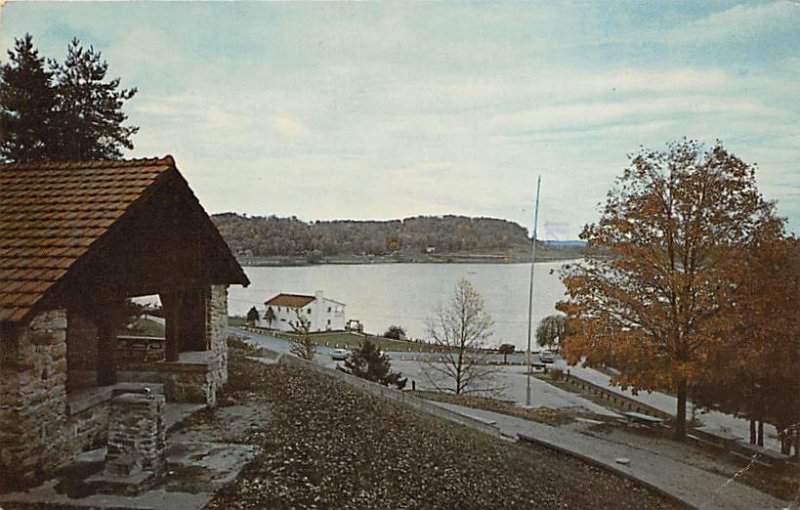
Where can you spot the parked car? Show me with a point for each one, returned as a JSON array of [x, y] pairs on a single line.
[[340, 354], [547, 357]]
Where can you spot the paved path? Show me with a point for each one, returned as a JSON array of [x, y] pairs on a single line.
[[669, 404], [694, 486], [542, 393]]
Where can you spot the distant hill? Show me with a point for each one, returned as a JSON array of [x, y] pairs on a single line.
[[256, 236]]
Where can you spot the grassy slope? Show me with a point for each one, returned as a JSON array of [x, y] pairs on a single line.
[[330, 446]]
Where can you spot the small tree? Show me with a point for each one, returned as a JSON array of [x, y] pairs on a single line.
[[303, 345], [460, 331], [505, 350], [269, 316], [368, 362], [252, 316], [550, 331], [395, 332]]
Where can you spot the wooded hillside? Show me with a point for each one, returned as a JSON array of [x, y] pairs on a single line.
[[273, 236]]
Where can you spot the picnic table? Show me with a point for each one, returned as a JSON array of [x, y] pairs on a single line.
[[642, 419]]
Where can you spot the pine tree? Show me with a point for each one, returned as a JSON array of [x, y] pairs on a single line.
[[27, 104], [269, 316], [368, 362], [303, 344], [90, 115]]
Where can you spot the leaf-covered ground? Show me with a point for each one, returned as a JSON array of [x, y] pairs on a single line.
[[331, 446]]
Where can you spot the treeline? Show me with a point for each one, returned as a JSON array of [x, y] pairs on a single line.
[[274, 236]]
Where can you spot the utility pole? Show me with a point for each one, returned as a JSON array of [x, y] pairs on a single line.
[[530, 296]]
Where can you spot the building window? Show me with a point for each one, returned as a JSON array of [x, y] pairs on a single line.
[[309, 310], [329, 322], [329, 309]]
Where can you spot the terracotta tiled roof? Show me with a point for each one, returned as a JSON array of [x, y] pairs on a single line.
[[292, 300], [51, 213]]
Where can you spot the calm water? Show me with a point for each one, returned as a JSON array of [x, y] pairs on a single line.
[[380, 295]]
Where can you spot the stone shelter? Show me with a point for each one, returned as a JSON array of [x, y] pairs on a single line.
[[76, 241]]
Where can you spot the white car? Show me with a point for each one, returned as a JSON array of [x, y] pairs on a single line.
[[547, 357], [340, 354]]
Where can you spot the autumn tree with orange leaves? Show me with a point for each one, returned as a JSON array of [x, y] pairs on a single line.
[[656, 294], [757, 374]]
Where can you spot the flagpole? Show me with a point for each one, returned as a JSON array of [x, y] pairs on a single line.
[[530, 295]]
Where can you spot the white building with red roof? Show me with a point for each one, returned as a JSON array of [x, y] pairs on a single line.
[[282, 312]]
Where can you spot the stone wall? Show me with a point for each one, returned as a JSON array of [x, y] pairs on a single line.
[[192, 379], [87, 427], [81, 352], [33, 409], [622, 401], [9, 389]]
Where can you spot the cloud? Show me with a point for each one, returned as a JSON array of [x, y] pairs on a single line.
[[290, 127], [581, 115], [740, 22], [658, 80], [391, 110]]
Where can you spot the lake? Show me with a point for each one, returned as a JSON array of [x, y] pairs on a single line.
[[380, 295]]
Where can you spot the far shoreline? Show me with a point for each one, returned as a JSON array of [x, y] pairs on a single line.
[[353, 260]]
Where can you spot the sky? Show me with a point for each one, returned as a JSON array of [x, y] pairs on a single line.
[[389, 110]]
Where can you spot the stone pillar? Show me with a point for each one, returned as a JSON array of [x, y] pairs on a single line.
[[172, 302], [34, 398], [136, 435], [217, 329]]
